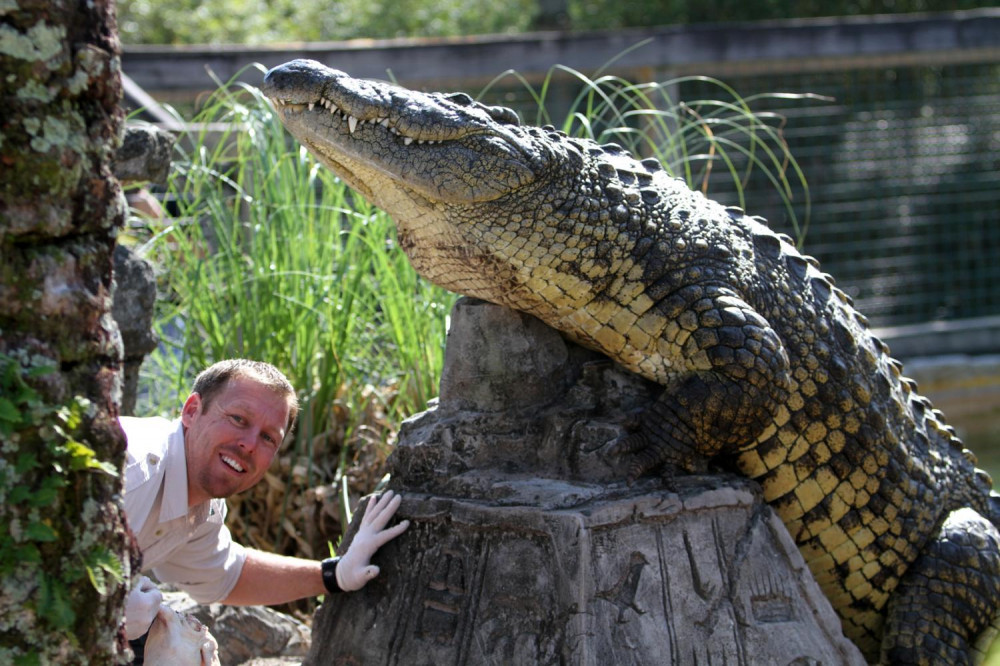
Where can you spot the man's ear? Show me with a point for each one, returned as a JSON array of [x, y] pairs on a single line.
[[192, 407]]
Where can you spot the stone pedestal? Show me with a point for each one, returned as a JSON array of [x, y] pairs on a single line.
[[527, 548]]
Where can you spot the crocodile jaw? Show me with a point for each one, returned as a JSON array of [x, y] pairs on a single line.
[[394, 145]]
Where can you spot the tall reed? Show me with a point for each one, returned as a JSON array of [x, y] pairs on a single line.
[[267, 255]]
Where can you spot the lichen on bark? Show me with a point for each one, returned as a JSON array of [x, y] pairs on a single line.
[[65, 559]]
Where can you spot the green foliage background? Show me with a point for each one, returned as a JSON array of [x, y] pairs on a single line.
[[260, 22]]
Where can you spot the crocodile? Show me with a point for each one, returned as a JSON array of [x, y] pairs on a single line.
[[766, 366]]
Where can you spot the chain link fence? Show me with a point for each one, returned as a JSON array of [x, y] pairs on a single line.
[[903, 171], [903, 167]]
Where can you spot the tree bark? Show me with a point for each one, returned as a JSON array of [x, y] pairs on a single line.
[[64, 551]]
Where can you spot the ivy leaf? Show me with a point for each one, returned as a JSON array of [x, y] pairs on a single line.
[[26, 461], [18, 494], [103, 565], [33, 659], [8, 412], [40, 531], [48, 491], [28, 554], [39, 370], [84, 457], [53, 603], [44, 497]]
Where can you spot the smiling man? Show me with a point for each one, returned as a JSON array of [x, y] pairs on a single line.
[[178, 474]]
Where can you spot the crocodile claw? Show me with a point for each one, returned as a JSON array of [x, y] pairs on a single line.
[[644, 458]]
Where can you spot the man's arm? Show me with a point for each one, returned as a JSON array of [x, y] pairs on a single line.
[[269, 579]]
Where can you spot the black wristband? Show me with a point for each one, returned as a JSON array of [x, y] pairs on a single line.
[[329, 569]]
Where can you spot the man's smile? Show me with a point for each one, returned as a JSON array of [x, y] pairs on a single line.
[[232, 463]]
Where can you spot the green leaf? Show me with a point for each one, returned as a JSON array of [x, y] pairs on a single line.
[[83, 457], [39, 531], [53, 603], [32, 659], [28, 554], [103, 565], [44, 497], [18, 494], [8, 412], [40, 370], [26, 461]]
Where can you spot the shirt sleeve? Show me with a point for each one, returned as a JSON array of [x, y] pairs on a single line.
[[209, 564]]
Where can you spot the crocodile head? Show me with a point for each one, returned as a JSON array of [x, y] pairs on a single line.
[[381, 138], [446, 168], [526, 217]]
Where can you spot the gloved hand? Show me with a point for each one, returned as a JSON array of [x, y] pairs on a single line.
[[355, 568], [141, 607]]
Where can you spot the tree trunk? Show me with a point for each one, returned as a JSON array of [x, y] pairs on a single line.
[[64, 549]]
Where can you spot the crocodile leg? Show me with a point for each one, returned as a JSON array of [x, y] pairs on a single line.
[[737, 379], [949, 599]]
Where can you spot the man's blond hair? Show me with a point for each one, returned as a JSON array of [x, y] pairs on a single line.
[[210, 382]]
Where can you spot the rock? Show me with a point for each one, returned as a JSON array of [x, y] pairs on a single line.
[[247, 633], [527, 547], [524, 364], [133, 297], [144, 155]]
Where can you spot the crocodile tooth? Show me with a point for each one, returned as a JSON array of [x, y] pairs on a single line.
[[384, 122], [352, 123], [407, 140], [311, 105]]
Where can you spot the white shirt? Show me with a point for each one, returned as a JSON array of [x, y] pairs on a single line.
[[192, 549]]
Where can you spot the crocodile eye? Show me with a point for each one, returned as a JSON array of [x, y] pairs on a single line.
[[502, 114], [460, 98]]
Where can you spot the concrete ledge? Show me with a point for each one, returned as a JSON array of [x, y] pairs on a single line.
[[957, 365], [943, 338]]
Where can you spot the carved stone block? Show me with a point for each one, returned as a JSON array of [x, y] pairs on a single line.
[[526, 546], [703, 575]]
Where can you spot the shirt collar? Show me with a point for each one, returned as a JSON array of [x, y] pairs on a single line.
[[175, 487]]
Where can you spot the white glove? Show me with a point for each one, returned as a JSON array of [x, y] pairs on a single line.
[[355, 568], [141, 607]]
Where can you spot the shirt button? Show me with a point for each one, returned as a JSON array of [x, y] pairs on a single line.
[[158, 532]]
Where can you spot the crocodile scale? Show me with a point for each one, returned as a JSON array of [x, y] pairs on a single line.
[[766, 365]]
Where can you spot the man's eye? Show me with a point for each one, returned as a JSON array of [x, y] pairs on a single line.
[[237, 418]]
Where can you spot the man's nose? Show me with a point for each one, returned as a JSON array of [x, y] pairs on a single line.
[[249, 440]]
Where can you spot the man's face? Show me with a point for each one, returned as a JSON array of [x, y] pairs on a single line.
[[230, 444]]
